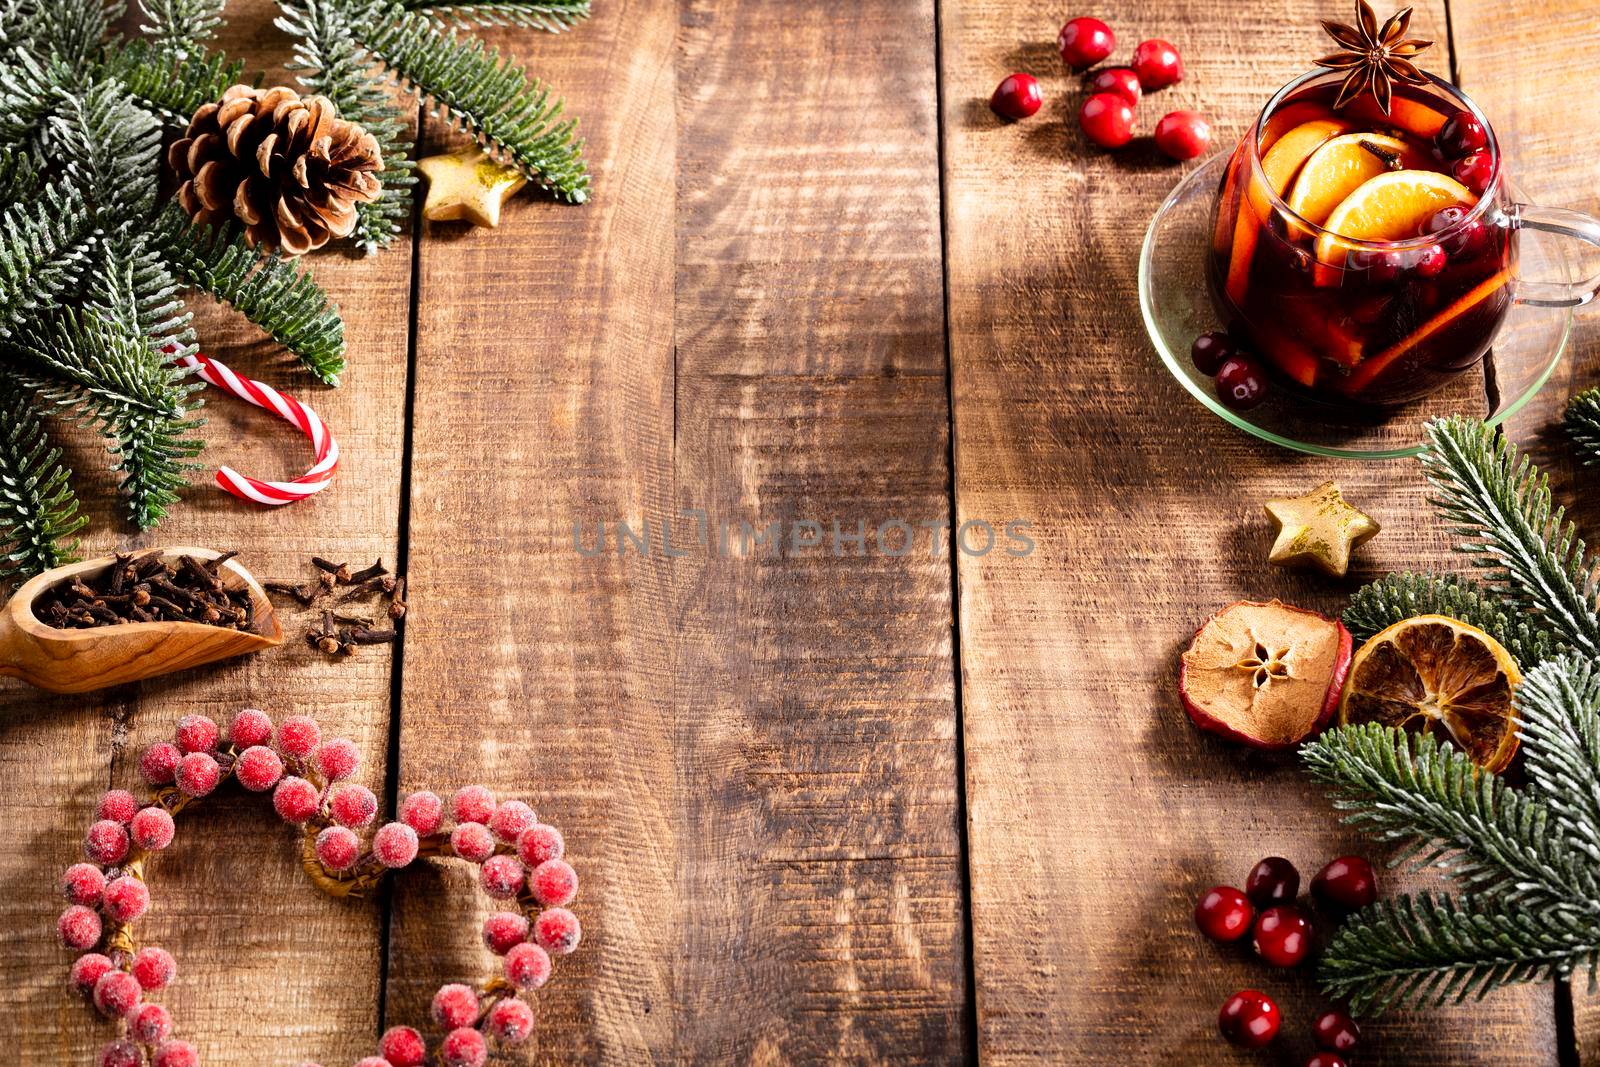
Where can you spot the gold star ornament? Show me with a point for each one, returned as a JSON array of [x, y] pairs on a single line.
[[1320, 529], [468, 185]]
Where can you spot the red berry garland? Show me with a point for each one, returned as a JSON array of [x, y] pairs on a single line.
[[520, 859]]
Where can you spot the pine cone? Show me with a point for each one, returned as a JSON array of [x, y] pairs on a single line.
[[288, 168]]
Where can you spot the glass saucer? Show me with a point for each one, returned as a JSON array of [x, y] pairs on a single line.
[[1176, 302]]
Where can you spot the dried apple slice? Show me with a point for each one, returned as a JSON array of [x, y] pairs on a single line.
[[1267, 675]]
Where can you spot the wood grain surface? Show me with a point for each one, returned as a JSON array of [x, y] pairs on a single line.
[[270, 971], [1097, 814]]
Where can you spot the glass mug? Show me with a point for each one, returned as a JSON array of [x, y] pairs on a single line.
[[1371, 323]]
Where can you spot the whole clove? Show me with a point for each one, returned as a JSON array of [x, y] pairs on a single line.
[[340, 632], [148, 588]]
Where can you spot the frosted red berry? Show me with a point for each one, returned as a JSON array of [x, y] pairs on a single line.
[[472, 841], [296, 800], [126, 899], [553, 883], [151, 1024], [1326, 1059], [198, 774], [1017, 96], [1249, 1019], [1183, 134], [454, 1005], [504, 930], [423, 812], [539, 844], [152, 828], [502, 876], [1083, 42], [338, 848], [116, 994], [463, 1048], [79, 927], [1346, 884], [556, 930], [116, 805], [196, 733], [338, 759], [1272, 881], [527, 966], [258, 768], [1281, 936], [298, 736], [373, 1061], [353, 806], [510, 1021], [403, 1047], [106, 843], [86, 971], [472, 803], [510, 820], [176, 1053], [159, 763], [153, 968], [1336, 1031], [1157, 63], [1223, 914], [1119, 81], [1107, 120], [251, 727], [121, 1054], [394, 845], [82, 884]]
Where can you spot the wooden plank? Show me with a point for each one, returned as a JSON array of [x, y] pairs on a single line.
[[752, 758], [1551, 151], [268, 967], [1097, 814]]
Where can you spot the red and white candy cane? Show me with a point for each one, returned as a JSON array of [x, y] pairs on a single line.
[[287, 408]]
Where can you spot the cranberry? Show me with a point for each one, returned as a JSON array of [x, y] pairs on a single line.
[[1468, 238], [1107, 120], [1474, 171], [1157, 63], [1376, 268], [1017, 96], [1461, 135], [1335, 1031], [1223, 914], [1085, 42], [1121, 81], [1345, 884], [1211, 350], [1272, 881], [1282, 936], [1183, 134], [1249, 1019], [1241, 384], [1326, 1059], [1430, 261]]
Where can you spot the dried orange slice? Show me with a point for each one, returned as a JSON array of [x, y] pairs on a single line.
[[1268, 675], [1341, 166], [1391, 207], [1441, 675]]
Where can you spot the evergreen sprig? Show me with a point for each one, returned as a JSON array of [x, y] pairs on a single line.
[[1583, 424], [1500, 505], [38, 511], [550, 15]]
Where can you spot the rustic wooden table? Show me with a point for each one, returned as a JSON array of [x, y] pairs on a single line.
[[859, 808]]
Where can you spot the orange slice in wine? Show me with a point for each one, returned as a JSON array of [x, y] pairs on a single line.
[[1280, 165], [1287, 118], [1441, 676], [1391, 207], [1463, 304], [1340, 167], [1412, 116]]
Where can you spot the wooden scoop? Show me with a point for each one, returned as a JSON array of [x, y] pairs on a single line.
[[76, 661]]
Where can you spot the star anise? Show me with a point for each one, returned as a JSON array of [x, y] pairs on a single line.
[[1375, 58]]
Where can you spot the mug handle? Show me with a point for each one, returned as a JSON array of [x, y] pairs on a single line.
[[1565, 223]]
